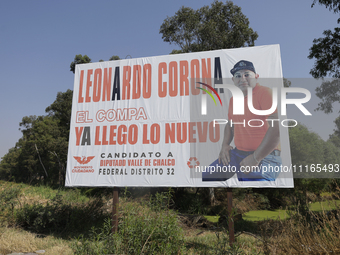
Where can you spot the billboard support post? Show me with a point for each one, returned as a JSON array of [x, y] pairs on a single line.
[[115, 203], [230, 217]]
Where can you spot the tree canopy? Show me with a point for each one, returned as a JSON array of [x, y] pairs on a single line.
[[114, 57], [79, 59], [41, 152], [329, 93], [61, 109], [219, 26], [308, 148], [332, 5], [326, 50]]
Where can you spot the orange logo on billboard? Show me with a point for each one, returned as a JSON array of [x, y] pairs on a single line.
[[193, 162], [83, 160]]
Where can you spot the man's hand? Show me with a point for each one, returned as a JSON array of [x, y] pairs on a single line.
[[249, 161], [224, 156]]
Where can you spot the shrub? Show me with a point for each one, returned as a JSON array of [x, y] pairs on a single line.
[[151, 229], [59, 215], [9, 197]]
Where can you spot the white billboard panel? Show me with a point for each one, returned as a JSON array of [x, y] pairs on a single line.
[[161, 121]]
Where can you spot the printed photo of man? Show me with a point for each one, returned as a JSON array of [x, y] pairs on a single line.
[[256, 156]]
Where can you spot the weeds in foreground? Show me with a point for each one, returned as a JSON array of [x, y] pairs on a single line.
[[151, 229], [316, 234], [59, 216], [16, 240], [9, 198]]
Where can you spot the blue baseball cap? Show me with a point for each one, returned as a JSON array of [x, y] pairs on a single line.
[[243, 65]]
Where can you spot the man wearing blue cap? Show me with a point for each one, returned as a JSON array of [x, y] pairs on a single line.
[[257, 153]]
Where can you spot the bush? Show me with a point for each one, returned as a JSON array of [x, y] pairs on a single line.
[[9, 198], [316, 234], [190, 202], [59, 215], [151, 229]]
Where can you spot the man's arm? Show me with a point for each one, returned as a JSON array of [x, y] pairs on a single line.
[[224, 156], [268, 144]]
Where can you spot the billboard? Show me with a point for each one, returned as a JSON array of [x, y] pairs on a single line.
[[205, 119]]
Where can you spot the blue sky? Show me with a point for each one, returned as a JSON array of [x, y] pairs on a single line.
[[39, 40]]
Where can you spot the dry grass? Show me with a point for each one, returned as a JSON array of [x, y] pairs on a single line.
[[245, 205], [31, 199], [206, 241], [17, 240], [318, 235]]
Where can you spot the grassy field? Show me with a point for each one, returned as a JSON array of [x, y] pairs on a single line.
[[260, 215], [76, 221], [14, 239], [265, 215], [31, 218], [324, 205]]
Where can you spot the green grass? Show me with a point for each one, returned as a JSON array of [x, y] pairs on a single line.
[[326, 194], [217, 242], [213, 219], [45, 192], [324, 205], [281, 214], [265, 215], [256, 215]]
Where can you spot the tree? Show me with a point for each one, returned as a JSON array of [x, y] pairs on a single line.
[[337, 128], [79, 59], [326, 50], [114, 57], [329, 93], [286, 83], [9, 163], [308, 148], [31, 158], [42, 149], [221, 26], [334, 139], [332, 5], [61, 109]]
